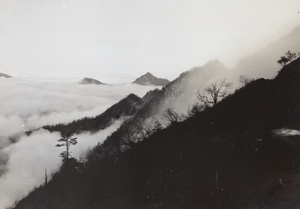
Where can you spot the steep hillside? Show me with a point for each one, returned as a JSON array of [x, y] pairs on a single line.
[[184, 88], [232, 155], [181, 94], [157, 102], [148, 112], [187, 85], [153, 106]]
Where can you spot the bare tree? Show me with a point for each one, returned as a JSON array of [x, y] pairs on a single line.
[[172, 116], [66, 141], [214, 93], [244, 80]]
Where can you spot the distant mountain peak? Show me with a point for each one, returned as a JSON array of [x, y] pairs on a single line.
[[90, 81], [149, 79], [5, 75]]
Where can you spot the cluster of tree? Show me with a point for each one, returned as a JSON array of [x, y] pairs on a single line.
[[289, 57]]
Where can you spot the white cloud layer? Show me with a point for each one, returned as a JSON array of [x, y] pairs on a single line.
[[28, 104], [29, 158]]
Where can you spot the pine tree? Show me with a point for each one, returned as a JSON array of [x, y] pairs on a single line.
[[66, 141]]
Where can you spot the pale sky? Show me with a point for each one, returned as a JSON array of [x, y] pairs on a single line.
[[127, 38]]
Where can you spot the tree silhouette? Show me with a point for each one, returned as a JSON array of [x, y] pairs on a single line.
[[172, 116], [46, 177], [66, 141], [289, 56], [283, 61], [214, 93], [245, 80]]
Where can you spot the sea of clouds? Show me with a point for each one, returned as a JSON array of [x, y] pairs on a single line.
[[27, 104]]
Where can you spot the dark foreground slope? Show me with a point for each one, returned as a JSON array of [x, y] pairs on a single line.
[[227, 156]]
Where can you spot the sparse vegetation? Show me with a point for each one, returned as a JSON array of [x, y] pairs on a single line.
[[289, 57], [172, 116], [222, 157], [66, 141], [214, 93], [245, 80]]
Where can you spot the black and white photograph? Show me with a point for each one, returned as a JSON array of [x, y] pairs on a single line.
[[147, 104]]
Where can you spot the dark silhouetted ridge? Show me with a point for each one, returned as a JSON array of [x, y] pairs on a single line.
[[126, 107], [228, 156]]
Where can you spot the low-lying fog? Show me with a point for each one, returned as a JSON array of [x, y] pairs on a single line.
[[27, 104]]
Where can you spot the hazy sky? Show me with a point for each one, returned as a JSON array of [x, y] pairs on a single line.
[[75, 38]]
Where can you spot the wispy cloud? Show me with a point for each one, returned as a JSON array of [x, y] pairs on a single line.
[[29, 157], [29, 104]]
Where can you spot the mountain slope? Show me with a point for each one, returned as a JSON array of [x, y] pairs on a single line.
[[126, 107], [152, 107], [187, 85], [149, 79], [156, 103], [184, 88], [224, 157]]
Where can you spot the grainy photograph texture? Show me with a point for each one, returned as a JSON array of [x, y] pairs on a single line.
[[139, 104]]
